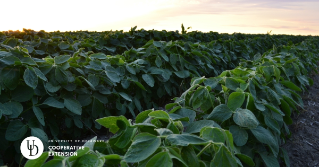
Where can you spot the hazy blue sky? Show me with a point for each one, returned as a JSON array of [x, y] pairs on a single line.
[[247, 16]]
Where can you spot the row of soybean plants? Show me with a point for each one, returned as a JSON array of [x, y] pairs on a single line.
[[116, 42], [237, 119], [75, 86]]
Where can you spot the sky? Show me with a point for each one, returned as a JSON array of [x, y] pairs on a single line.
[[297, 17]]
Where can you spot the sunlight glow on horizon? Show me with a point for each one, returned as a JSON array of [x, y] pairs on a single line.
[[244, 16]]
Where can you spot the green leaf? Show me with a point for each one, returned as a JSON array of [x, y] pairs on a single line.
[[235, 100], [246, 159], [22, 93], [90, 143], [126, 138], [158, 61], [61, 59], [159, 160], [40, 74], [159, 114], [220, 113], [164, 131], [100, 56], [61, 75], [52, 88], [182, 74], [15, 107], [245, 118], [265, 136], [148, 79], [28, 61], [73, 105], [223, 158], [30, 78], [140, 85], [16, 130], [285, 157], [37, 132], [185, 140], [80, 153], [213, 134], [37, 162], [270, 160], [240, 135], [112, 159], [114, 77], [125, 96], [130, 69], [143, 146], [110, 122], [39, 114], [88, 160], [196, 126], [232, 84], [189, 155], [63, 45], [290, 85], [285, 107], [50, 101], [10, 60], [54, 163]]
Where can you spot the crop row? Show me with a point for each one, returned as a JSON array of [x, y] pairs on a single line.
[[239, 118], [55, 88]]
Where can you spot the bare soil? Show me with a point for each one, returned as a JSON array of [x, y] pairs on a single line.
[[303, 145]]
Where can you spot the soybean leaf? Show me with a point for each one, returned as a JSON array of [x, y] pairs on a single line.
[[270, 160], [240, 135], [142, 116], [22, 93], [39, 161], [290, 85], [110, 122], [15, 107], [61, 59], [189, 155], [88, 160], [142, 147], [182, 74], [185, 140], [30, 78], [235, 100], [125, 96], [213, 134], [223, 158], [114, 77], [16, 130], [50, 101], [196, 126], [159, 160], [40, 74], [220, 113], [39, 114], [264, 136], [245, 118], [159, 114], [73, 105], [246, 159], [164, 131], [148, 79]]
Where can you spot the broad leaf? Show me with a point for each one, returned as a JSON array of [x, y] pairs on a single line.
[[143, 146]]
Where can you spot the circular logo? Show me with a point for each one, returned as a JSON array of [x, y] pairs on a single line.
[[31, 147]]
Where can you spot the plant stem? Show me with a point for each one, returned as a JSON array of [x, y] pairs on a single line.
[[208, 145]]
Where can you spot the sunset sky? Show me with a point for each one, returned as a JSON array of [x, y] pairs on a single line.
[[246, 16]]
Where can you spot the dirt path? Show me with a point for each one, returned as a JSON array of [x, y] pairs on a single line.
[[303, 146]]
